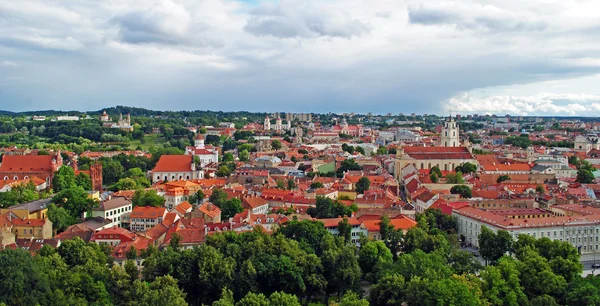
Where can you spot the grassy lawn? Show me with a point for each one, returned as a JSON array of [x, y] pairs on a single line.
[[151, 140]]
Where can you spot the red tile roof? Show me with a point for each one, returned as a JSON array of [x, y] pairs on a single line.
[[210, 209], [147, 212], [174, 163], [438, 152], [333, 222], [26, 163]]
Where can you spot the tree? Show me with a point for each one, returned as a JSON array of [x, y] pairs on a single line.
[[360, 150], [501, 285], [492, 245], [125, 184], [316, 185], [280, 184], [363, 184], [112, 171], [466, 168], [540, 189], [230, 208], [223, 171], [328, 208], [389, 291], [308, 233], [345, 229], [228, 157], [276, 144], [75, 201], [463, 190], [434, 178], [585, 176], [147, 198], [84, 181], [502, 178], [283, 299], [196, 197], [382, 151], [373, 254], [291, 184], [436, 170], [63, 179], [455, 178], [243, 155], [60, 218]]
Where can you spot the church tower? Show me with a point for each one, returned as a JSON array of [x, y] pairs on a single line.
[[199, 141], [96, 175], [267, 124], [449, 137]]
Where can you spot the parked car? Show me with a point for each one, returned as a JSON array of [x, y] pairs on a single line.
[[596, 265]]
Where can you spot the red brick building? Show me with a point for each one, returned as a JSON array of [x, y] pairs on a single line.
[[20, 167]]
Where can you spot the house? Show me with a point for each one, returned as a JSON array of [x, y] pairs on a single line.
[[112, 236], [183, 208], [400, 222], [256, 205], [21, 167], [30, 228], [210, 212], [175, 167], [331, 225], [143, 218], [30, 210], [113, 209]]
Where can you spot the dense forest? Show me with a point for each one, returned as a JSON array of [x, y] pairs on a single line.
[[301, 263]]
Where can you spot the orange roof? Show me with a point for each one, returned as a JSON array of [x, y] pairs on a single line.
[[148, 212], [438, 152], [254, 202], [174, 163], [26, 163], [183, 207], [400, 222], [492, 163], [28, 222], [507, 223], [117, 232], [170, 218], [333, 222], [210, 209]]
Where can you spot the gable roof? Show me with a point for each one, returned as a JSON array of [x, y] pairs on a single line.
[[438, 152], [174, 163], [27, 163]]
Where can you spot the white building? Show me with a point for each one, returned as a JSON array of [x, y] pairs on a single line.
[[586, 143], [175, 167], [145, 218], [113, 209], [574, 223], [205, 154], [450, 134], [331, 225]]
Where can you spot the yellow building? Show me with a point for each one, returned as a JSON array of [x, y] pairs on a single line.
[[32, 210], [31, 228]]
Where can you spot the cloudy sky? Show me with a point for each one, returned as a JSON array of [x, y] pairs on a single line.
[[537, 57]]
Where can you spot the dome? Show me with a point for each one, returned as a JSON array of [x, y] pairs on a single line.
[[199, 137]]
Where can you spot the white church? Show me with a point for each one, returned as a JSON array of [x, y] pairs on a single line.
[[206, 154]]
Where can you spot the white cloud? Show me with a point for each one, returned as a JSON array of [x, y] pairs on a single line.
[[287, 19], [8, 64], [542, 103], [161, 22], [309, 55]]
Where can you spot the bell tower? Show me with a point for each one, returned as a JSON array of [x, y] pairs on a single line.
[[450, 132]]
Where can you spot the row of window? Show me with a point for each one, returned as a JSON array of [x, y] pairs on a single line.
[[118, 211]]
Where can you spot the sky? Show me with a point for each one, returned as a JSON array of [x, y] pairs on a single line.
[[536, 57]]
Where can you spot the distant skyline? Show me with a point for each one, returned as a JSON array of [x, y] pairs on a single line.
[[463, 56]]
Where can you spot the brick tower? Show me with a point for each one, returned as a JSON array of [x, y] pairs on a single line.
[[96, 175]]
